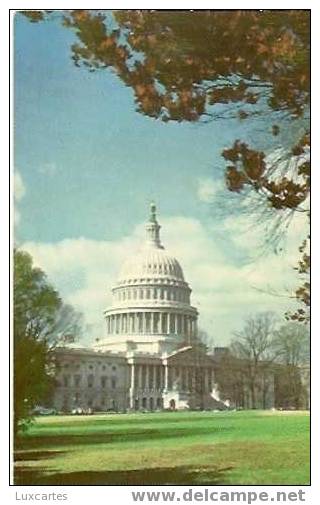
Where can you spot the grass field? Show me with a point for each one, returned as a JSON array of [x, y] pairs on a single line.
[[252, 447]]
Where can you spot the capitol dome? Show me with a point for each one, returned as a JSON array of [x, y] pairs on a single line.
[[152, 260], [151, 300]]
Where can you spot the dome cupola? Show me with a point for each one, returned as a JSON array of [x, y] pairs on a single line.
[[152, 261]]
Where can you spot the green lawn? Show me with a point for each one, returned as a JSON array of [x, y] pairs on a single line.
[[252, 447]]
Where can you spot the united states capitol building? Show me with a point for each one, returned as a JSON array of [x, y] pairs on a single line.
[[151, 357]]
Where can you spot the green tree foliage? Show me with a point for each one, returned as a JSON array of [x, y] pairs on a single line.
[[41, 321], [208, 65]]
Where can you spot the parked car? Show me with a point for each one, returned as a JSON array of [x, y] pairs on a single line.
[[43, 411]]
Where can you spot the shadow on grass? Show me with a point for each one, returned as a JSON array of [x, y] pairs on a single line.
[[183, 475], [34, 441], [35, 455]]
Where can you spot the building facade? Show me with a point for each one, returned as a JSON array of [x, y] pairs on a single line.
[[150, 357]]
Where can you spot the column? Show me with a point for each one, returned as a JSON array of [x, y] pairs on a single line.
[[147, 376], [136, 323], [132, 387], [166, 377], [139, 376], [168, 322], [154, 376], [152, 323], [176, 324], [143, 377]]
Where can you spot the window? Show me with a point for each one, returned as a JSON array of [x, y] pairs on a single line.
[[113, 383], [172, 323], [103, 382], [66, 381], [77, 380], [114, 368], [164, 323], [90, 380]]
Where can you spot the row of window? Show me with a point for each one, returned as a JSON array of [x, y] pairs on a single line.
[[77, 366], [77, 381], [174, 294], [109, 403]]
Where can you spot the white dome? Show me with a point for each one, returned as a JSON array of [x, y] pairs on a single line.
[[151, 262]]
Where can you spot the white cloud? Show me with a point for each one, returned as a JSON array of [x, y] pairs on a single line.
[[208, 189], [19, 192], [85, 270]]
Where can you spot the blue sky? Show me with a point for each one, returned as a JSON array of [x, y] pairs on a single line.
[[88, 165]]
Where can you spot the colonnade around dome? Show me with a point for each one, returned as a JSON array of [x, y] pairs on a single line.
[[151, 322]]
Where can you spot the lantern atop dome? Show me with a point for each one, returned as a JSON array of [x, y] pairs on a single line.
[[153, 228]]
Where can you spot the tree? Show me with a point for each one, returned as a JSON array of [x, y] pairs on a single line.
[[209, 65], [41, 321], [230, 375], [253, 348], [291, 344]]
